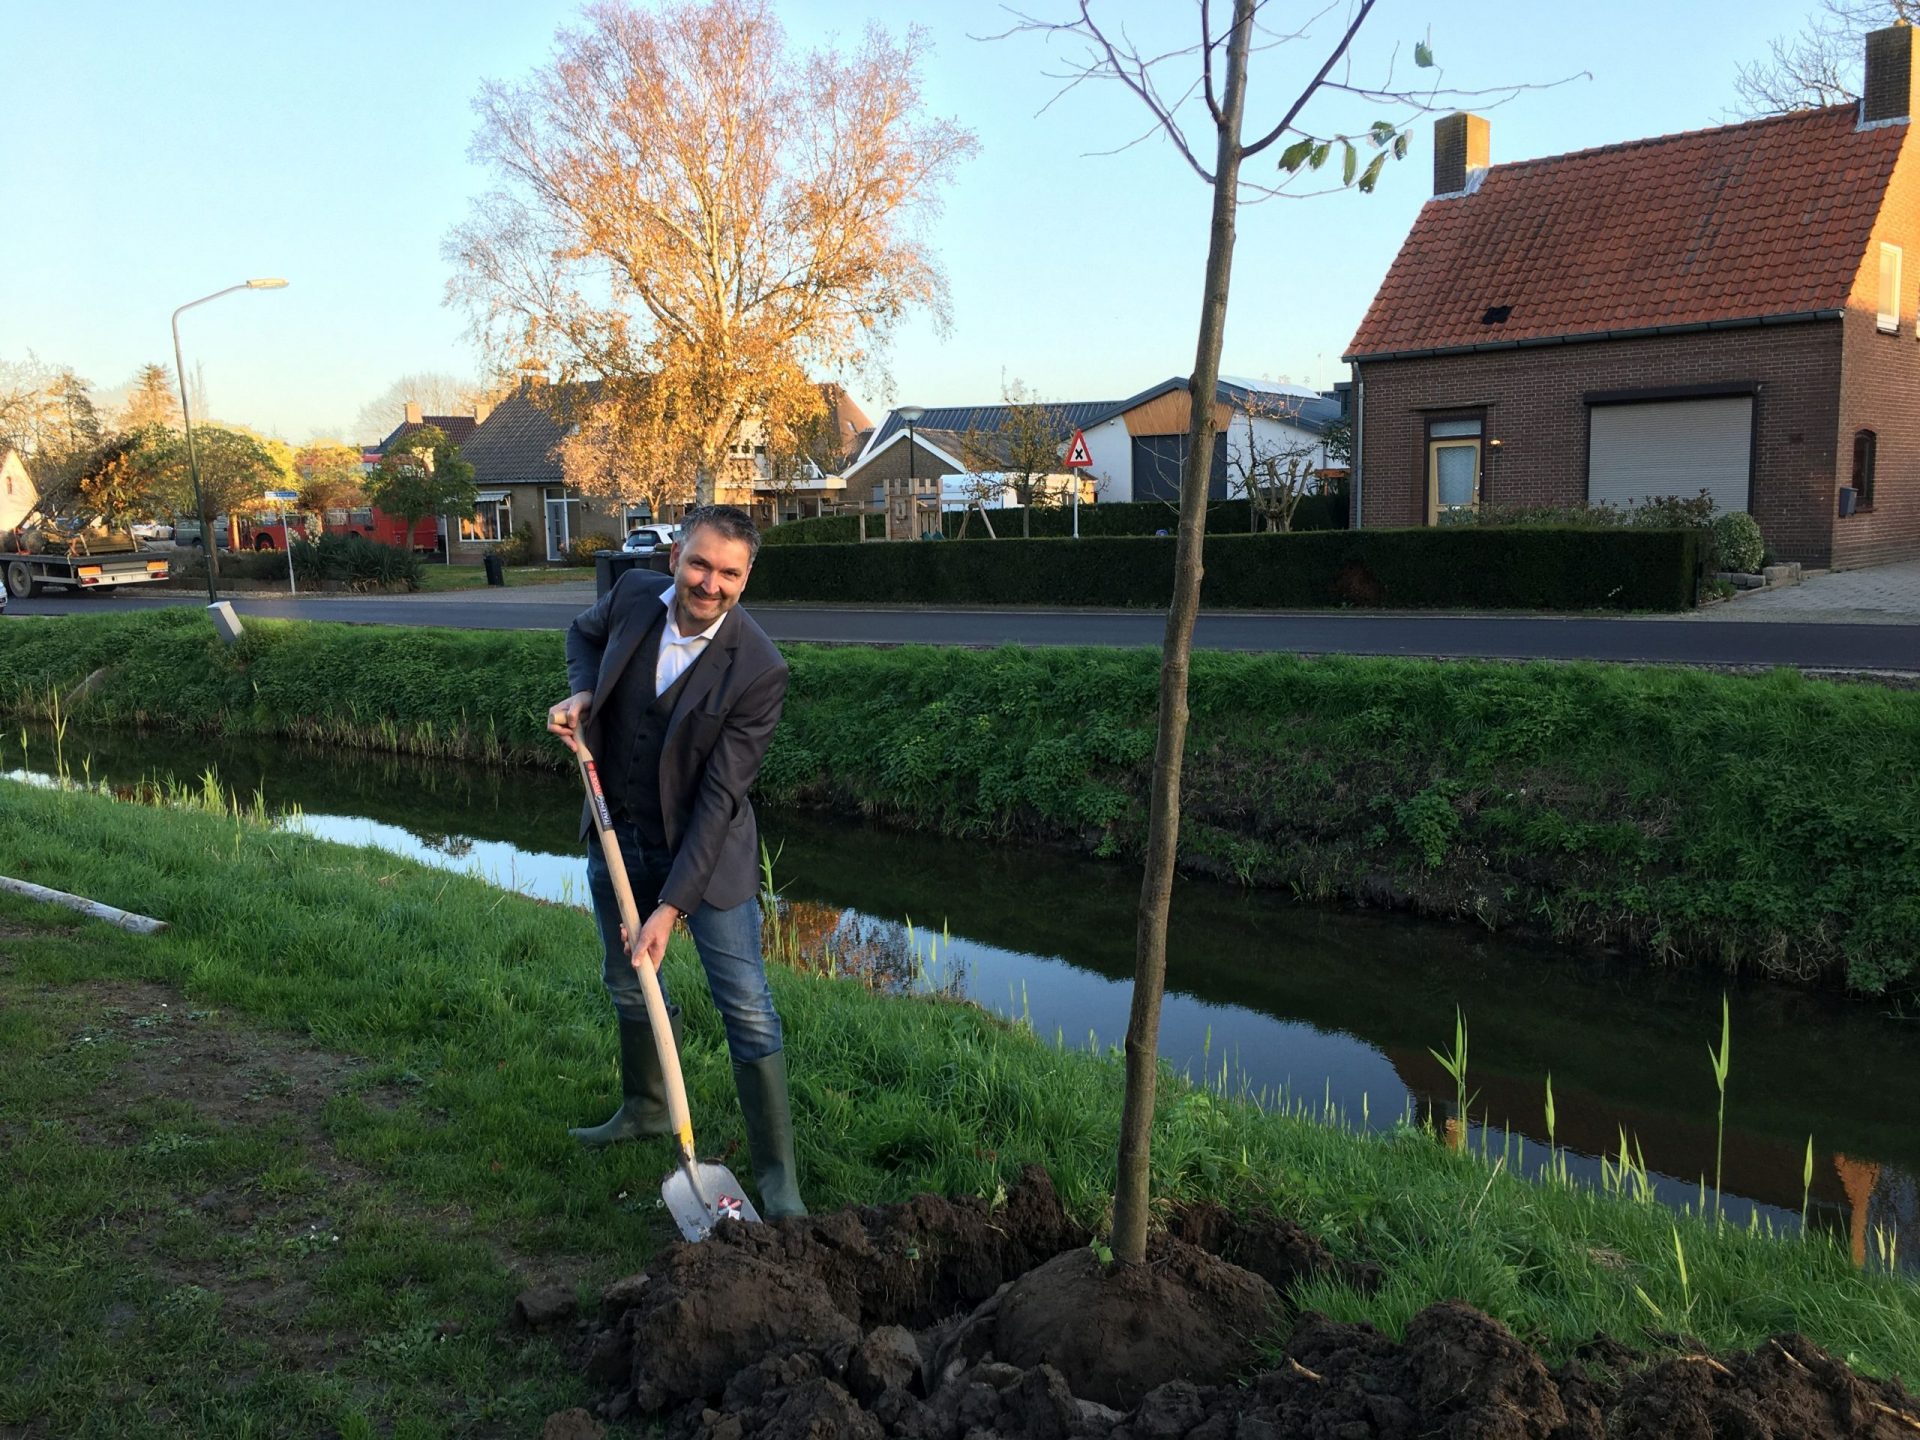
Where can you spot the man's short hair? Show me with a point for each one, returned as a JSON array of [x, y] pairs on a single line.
[[730, 522]]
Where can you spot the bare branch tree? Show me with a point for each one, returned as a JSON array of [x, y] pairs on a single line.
[[1821, 65], [1277, 464], [1022, 455], [1107, 53]]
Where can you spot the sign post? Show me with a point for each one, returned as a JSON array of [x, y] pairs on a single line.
[[284, 498], [1079, 457]]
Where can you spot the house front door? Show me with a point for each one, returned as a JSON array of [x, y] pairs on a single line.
[[1453, 478], [558, 535]]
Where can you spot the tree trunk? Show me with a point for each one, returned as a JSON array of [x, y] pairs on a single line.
[[1163, 825]]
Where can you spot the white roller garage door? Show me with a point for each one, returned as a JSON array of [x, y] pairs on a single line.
[[1674, 447]]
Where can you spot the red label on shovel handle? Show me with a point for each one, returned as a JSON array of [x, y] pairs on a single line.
[[601, 815]]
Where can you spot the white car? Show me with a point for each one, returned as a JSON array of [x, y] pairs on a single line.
[[646, 539]]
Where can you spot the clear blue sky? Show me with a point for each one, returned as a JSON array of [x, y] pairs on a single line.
[[155, 153]]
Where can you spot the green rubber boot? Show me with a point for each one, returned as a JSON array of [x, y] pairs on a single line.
[[763, 1100], [643, 1089]]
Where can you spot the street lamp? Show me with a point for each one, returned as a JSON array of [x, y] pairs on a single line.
[[207, 545], [909, 414]]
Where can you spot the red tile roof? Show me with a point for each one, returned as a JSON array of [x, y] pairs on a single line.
[[1766, 218]]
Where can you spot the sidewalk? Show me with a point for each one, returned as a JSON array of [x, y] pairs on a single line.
[[1879, 595]]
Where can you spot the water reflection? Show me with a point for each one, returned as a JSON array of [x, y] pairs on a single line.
[[1328, 1011]]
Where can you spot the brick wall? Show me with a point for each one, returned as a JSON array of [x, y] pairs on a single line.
[[1880, 385], [1534, 403]]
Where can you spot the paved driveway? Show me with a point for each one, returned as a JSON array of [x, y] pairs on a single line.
[[1880, 595]]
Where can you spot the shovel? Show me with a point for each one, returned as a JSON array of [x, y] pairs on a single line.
[[698, 1196]]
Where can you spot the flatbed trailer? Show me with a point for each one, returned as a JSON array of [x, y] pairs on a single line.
[[28, 574]]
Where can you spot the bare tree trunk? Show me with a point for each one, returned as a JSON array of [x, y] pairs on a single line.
[[1163, 825]]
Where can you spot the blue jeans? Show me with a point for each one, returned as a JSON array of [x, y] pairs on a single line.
[[728, 942]]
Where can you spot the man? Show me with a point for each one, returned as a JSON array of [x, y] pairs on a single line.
[[677, 692]]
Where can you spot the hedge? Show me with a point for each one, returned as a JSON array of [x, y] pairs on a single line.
[[1419, 568], [1140, 517], [825, 530]]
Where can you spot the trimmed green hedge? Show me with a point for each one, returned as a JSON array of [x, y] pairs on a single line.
[[1148, 517], [825, 530], [1480, 568], [1142, 517]]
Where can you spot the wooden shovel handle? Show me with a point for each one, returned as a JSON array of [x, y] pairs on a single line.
[[677, 1112]]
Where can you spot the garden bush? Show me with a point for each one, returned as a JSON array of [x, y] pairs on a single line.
[[349, 560], [517, 548], [582, 548], [1564, 569], [1736, 535]]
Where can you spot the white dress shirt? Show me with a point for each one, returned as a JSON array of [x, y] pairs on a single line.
[[677, 651]]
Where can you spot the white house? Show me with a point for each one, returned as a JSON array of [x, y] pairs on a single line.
[[1139, 445]]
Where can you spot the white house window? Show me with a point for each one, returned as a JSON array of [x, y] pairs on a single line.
[[1890, 288], [492, 517]]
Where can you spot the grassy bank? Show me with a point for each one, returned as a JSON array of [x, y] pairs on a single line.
[[321, 1225], [1768, 823]]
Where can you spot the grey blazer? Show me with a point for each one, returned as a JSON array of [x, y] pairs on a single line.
[[716, 738]]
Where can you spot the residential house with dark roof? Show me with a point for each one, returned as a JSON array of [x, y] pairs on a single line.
[[516, 471], [1725, 309]]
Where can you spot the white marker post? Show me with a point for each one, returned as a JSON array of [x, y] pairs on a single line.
[[284, 498]]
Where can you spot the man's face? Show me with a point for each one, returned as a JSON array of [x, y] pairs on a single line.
[[709, 572]]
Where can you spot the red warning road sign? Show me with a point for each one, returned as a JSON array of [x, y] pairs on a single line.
[[1078, 456]]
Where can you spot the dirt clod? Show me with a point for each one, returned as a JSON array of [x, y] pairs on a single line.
[[544, 1307]]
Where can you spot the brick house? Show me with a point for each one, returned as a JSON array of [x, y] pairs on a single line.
[[1726, 309]]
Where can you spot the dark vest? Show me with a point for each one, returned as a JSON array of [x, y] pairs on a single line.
[[635, 729]]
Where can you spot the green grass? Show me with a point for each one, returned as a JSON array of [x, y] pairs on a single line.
[[1768, 824], [469, 1030], [438, 578]]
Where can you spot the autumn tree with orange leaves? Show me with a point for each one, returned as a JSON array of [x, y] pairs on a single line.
[[703, 218]]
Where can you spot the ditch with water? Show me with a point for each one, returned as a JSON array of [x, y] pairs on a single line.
[[1337, 1013]]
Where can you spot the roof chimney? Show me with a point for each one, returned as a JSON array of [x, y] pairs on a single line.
[[481, 410], [1888, 93], [413, 412], [1460, 150]]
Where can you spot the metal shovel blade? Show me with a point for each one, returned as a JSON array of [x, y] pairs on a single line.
[[701, 1197]]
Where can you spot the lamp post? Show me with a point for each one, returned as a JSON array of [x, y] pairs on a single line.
[[186, 423], [909, 414]]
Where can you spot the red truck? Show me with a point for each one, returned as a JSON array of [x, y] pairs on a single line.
[[384, 529]]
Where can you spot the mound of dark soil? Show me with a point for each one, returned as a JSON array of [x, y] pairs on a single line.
[[951, 1320], [1114, 1333]]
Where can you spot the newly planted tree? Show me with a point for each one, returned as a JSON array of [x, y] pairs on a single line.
[[1022, 454], [1197, 93], [701, 217]]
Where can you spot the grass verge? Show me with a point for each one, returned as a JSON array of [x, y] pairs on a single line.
[[1766, 824], [366, 1048]]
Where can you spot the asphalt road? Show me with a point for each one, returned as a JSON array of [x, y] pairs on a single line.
[[1516, 637]]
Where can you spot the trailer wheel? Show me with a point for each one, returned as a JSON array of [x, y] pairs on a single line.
[[20, 582], [263, 542]]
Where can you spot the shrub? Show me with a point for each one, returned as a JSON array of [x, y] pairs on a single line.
[[1567, 569], [517, 548], [352, 561], [1737, 536], [581, 549]]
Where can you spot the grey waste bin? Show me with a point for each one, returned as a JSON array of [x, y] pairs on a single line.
[[610, 565], [496, 570]]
